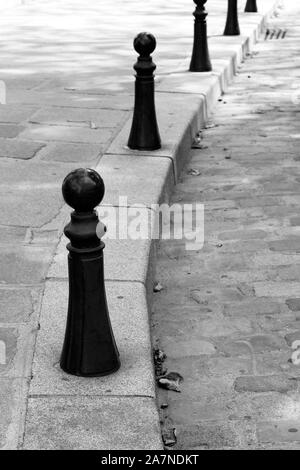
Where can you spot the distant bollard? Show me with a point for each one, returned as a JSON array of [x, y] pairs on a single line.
[[232, 27], [200, 61], [89, 348], [251, 6], [144, 133]]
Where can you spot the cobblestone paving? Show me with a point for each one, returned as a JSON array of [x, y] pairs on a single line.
[[229, 314]]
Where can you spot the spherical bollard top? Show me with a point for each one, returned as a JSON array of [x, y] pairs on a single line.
[[83, 189], [144, 44]]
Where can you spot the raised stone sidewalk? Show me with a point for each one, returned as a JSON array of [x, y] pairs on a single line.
[[67, 67]]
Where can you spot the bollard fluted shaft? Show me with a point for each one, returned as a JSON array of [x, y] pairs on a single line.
[[251, 6], [232, 27], [144, 134], [89, 348], [200, 61]]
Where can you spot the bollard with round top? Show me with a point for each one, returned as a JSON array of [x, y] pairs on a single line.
[[232, 27], [89, 348], [144, 134], [200, 61], [251, 6]]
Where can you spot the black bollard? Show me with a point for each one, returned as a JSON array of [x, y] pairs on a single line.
[[251, 6], [232, 27], [200, 61], [144, 133], [89, 348]]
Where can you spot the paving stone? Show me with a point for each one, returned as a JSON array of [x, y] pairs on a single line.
[[277, 289], [278, 323], [271, 383], [243, 235], [279, 431], [19, 149], [205, 368], [289, 244], [24, 265], [63, 152], [15, 114], [208, 408], [205, 327], [43, 237], [213, 435], [295, 221], [286, 273], [274, 362], [15, 81], [67, 134], [195, 385], [10, 130], [227, 293], [220, 366], [293, 304], [16, 305], [12, 410], [291, 337], [252, 307], [234, 262], [249, 276], [259, 343], [28, 183], [9, 234], [73, 99], [266, 342], [243, 247], [193, 347], [124, 176], [82, 423], [274, 259], [100, 118], [274, 406]]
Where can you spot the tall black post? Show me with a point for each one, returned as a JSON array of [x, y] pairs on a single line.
[[144, 133], [232, 27], [251, 6], [89, 348], [200, 61]]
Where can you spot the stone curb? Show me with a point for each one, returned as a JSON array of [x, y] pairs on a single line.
[[126, 400]]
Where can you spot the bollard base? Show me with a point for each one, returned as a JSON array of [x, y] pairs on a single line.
[[89, 348], [230, 33], [251, 6], [94, 374], [200, 61], [144, 134], [232, 27]]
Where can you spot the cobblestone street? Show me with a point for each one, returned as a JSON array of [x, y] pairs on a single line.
[[228, 315]]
